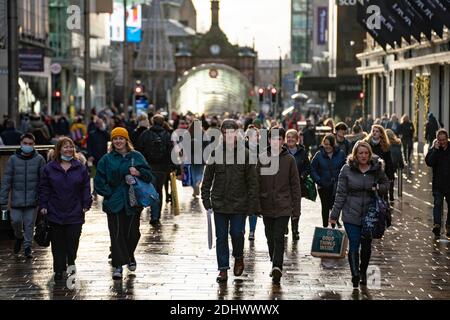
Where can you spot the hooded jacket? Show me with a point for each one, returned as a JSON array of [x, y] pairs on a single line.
[[354, 191], [325, 171], [280, 193], [21, 178]]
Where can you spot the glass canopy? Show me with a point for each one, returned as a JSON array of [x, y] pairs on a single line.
[[211, 88]]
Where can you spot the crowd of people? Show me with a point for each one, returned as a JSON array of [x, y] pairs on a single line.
[[350, 162]]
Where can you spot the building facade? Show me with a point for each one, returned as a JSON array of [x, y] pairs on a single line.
[[3, 57], [413, 80]]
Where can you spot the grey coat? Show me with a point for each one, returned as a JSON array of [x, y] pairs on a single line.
[[354, 190], [21, 178]]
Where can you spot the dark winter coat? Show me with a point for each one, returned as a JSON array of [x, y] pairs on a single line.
[[407, 133], [21, 178], [387, 158], [309, 136], [145, 142], [325, 171], [439, 160], [230, 188], [40, 131], [303, 166], [344, 145], [65, 194], [11, 137], [110, 182], [397, 156], [97, 144], [280, 193], [354, 192]]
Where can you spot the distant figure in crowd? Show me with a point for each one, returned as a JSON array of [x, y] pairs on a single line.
[[309, 136], [11, 136], [431, 127], [342, 143], [394, 125], [406, 134], [397, 157]]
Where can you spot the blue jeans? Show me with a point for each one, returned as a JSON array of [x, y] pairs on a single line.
[[253, 219], [439, 206], [197, 173], [235, 224]]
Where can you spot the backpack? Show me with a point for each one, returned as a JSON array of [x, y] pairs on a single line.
[[157, 148]]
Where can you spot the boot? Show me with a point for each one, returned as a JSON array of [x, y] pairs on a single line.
[[295, 233], [353, 260], [366, 252]]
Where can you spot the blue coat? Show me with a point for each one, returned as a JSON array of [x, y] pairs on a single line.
[[325, 171], [65, 194]]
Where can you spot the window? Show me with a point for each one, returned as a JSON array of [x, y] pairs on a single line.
[[299, 5], [299, 21]]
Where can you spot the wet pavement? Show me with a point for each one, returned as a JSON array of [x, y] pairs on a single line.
[[174, 261]]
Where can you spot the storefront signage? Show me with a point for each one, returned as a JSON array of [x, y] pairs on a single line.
[[31, 60]]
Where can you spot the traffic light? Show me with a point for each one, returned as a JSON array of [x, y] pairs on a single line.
[[57, 94], [361, 95], [261, 94], [274, 94], [139, 90]]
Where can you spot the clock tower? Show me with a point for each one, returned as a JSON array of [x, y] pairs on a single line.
[[214, 47]]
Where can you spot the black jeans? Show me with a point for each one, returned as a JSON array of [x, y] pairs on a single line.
[[407, 150], [161, 178], [326, 199], [124, 233], [64, 240], [275, 228]]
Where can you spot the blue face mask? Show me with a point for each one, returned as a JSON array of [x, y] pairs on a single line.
[[65, 158], [26, 149]]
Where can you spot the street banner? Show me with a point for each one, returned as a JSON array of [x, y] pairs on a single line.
[[367, 20], [322, 25], [415, 23], [393, 26], [429, 11]]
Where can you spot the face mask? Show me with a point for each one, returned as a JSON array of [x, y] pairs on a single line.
[[65, 158], [26, 149]]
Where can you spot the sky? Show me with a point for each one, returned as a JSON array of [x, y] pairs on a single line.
[[268, 21]]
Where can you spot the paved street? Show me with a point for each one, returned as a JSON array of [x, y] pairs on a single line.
[[174, 262]]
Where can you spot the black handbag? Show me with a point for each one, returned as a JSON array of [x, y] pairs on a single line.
[[42, 233]]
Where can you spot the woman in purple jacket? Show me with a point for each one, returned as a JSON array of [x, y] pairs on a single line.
[[64, 198]]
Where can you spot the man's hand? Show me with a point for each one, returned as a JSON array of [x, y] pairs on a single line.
[[44, 211]]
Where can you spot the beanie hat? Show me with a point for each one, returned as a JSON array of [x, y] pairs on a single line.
[[120, 132]]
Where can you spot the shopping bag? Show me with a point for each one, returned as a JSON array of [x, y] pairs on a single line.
[[311, 191], [376, 219], [210, 233], [146, 194], [42, 233], [173, 187], [187, 175], [329, 243]]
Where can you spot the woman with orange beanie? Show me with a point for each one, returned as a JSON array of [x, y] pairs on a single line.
[[114, 170]]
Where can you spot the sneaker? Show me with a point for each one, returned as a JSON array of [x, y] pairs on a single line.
[[276, 275], [117, 274], [238, 266], [222, 277], [437, 231], [132, 265], [28, 254], [251, 236], [17, 246]]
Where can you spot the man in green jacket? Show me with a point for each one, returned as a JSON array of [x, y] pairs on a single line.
[[230, 189]]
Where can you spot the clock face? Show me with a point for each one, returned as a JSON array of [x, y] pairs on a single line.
[[215, 49]]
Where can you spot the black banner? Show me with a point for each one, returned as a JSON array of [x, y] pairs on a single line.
[[395, 26], [405, 11], [365, 17], [428, 9]]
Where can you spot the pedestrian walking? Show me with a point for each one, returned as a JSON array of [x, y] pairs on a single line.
[[113, 172], [396, 156], [156, 146], [19, 189], [64, 198], [230, 190], [11, 136], [309, 136], [303, 164], [279, 198], [252, 144], [341, 130], [359, 179], [325, 168], [431, 127], [406, 134], [438, 158]]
